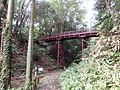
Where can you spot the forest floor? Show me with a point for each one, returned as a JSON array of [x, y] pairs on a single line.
[[50, 81]]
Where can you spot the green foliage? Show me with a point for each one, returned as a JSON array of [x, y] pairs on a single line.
[[14, 48], [25, 87], [71, 50], [93, 74], [38, 52], [105, 23], [91, 45], [1, 77], [24, 33], [108, 14], [102, 72], [57, 16]]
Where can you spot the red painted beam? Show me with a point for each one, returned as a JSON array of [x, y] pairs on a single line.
[[71, 35]]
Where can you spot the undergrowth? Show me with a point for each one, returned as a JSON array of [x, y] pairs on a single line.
[[93, 74]]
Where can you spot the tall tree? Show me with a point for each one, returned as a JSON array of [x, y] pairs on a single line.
[[55, 16], [7, 52], [30, 46], [20, 18], [68, 14]]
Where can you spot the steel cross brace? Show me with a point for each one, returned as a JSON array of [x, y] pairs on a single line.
[[60, 54]]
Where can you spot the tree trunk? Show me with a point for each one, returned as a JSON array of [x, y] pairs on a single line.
[[3, 10], [7, 52], [30, 47]]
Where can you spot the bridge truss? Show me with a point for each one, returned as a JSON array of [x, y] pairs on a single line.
[[83, 35]]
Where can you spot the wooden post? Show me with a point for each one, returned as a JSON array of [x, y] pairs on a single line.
[[34, 86]]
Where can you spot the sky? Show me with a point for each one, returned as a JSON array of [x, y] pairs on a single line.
[[90, 12]]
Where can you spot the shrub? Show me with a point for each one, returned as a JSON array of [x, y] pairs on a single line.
[[93, 74]]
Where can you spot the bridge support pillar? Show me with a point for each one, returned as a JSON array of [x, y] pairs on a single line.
[[83, 45], [82, 41], [60, 54]]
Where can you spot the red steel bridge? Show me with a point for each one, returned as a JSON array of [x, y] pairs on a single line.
[[58, 49]]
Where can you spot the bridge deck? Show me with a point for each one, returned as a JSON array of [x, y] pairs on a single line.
[[70, 35]]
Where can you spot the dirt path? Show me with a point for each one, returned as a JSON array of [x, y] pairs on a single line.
[[50, 81]]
